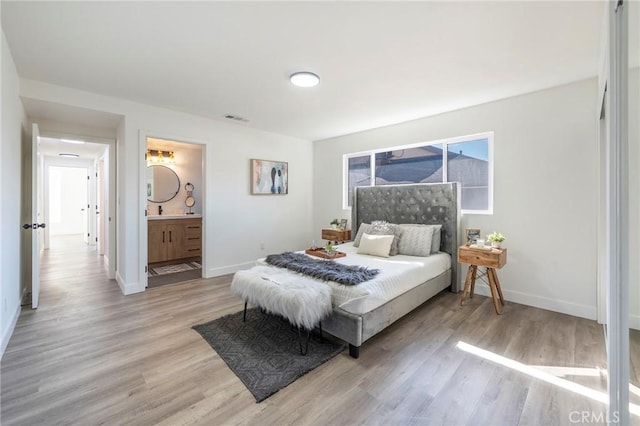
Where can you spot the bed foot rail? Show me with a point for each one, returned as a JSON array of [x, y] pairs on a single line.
[[354, 351]]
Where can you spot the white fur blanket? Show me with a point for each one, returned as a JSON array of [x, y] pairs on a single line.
[[303, 301]]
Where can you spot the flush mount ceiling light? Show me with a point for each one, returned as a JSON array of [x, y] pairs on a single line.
[[68, 155], [72, 141], [304, 79]]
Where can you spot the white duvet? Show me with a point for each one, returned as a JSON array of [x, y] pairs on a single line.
[[398, 274]]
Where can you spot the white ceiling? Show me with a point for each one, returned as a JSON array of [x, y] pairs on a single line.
[[379, 62], [53, 147]]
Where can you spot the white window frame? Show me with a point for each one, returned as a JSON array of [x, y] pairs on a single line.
[[444, 142]]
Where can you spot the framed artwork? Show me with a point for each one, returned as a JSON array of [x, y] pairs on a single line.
[[269, 177], [343, 224], [472, 235]]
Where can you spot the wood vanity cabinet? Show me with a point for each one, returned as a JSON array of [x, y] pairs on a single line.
[[172, 239], [193, 237]]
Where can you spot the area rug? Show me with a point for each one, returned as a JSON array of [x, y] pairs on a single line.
[[264, 352], [172, 269]]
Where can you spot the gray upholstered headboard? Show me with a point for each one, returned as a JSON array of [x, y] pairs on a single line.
[[426, 203]]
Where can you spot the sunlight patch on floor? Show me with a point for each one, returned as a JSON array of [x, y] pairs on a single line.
[[549, 374]]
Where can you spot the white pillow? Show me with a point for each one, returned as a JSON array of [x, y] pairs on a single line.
[[379, 228], [415, 240], [375, 245]]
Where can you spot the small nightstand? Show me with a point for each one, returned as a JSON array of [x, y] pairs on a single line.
[[491, 259], [337, 235]]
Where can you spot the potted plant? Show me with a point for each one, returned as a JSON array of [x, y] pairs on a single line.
[[495, 239], [334, 223], [329, 248]]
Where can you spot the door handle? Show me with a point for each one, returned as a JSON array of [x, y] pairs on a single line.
[[34, 226]]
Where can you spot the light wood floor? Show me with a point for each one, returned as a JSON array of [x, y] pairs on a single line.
[[90, 355]]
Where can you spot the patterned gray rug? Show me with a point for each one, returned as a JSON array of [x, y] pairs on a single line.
[[264, 352]]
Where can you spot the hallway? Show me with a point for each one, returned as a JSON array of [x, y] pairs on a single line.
[[89, 354]]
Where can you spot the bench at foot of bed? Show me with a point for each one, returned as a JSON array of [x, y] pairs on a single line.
[[302, 301]]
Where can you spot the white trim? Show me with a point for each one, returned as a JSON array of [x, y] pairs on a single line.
[[618, 219], [128, 288], [489, 135], [556, 305], [224, 270], [8, 332]]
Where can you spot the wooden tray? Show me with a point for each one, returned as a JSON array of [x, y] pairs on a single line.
[[320, 252]]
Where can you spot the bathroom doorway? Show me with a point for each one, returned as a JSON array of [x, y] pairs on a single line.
[[174, 183]]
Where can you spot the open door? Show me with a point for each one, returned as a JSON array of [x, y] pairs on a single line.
[[35, 226]]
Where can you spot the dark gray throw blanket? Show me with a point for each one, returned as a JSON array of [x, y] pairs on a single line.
[[322, 269]]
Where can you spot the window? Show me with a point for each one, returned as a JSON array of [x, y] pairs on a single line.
[[358, 169], [467, 160]]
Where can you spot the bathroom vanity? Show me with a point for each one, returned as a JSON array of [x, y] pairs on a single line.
[[174, 237]]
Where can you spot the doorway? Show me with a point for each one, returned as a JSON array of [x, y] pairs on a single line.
[[76, 203], [173, 188], [68, 204]]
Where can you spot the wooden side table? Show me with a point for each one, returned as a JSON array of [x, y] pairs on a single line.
[[491, 259], [337, 235]]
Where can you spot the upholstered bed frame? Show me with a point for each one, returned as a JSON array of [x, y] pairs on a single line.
[[436, 203]]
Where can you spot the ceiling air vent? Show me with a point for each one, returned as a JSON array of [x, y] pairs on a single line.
[[236, 118]]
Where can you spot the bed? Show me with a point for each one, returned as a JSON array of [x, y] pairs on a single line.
[[416, 272], [400, 204]]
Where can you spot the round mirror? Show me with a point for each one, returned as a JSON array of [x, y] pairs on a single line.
[[162, 184], [190, 202]]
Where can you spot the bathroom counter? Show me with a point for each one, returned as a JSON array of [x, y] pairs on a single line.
[[173, 216]]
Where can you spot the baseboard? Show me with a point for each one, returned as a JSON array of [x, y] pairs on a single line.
[[634, 322], [128, 288], [577, 310], [8, 332], [216, 272]]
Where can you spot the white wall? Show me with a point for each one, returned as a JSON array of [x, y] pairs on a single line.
[[544, 195], [12, 120], [235, 222]]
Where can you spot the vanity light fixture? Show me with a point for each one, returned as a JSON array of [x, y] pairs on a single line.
[[62, 154], [155, 156], [304, 79]]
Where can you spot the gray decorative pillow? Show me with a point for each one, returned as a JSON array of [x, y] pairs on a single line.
[[437, 234], [416, 240], [379, 228], [364, 228]]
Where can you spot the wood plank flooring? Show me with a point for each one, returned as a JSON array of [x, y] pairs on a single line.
[[89, 355]]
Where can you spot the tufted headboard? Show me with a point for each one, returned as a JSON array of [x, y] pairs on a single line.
[[425, 203]]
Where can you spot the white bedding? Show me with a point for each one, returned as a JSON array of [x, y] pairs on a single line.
[[397, 275]]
